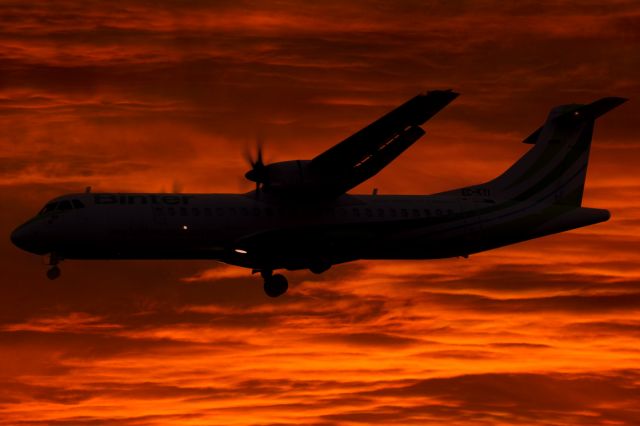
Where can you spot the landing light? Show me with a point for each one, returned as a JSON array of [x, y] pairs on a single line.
[[240, 251], [185, 227]]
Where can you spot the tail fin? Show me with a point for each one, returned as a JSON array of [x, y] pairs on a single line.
[[554, 170]]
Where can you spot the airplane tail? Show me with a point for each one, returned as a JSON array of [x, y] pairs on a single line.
[[554, 170]]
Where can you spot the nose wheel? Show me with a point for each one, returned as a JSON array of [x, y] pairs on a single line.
[[53, 273], [274, 285]]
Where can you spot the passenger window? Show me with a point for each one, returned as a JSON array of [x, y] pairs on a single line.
[[77, 204], [232, 211], [450, 211], [380, 212], [64, 205], [183, 211], [393, 212], [427, 212], [416, 213], [256, 211], [159, 211], [220, 211], [368, 212], [172, 211], [404, 213], [245, 211], [207, 211], [356, 212], [269, 211], [195, 211], [438, 212]]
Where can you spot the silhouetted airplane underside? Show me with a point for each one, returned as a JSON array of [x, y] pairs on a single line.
[[300, 216]]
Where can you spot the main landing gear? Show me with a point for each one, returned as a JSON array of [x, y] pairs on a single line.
[[274, 285], [54, 271]]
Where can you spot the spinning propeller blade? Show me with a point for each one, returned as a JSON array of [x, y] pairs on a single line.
[[258, 172]]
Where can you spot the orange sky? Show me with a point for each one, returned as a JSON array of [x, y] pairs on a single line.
[[150, 97]]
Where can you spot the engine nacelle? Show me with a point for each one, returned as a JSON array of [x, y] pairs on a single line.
[[287, 177]]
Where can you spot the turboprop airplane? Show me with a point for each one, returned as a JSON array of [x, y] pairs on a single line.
[[300, 216]]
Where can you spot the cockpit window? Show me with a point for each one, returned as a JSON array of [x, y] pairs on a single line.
[[64, 205], [48, 208], [61, 205]]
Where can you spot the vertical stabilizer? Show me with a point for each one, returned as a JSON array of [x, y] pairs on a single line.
[[554, 170]]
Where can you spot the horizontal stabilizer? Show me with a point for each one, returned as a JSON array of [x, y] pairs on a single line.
[[601, 106], [592, 111]]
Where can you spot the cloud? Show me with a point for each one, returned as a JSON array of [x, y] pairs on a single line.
[[367, 339], [516, 396], [569, 303], [605, 328], [137, 96]]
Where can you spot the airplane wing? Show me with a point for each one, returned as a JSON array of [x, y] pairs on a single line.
[[365, 153]]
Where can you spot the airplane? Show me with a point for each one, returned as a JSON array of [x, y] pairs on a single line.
[[300, 216]]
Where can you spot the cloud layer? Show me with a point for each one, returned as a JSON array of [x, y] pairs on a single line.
[[148, 97]]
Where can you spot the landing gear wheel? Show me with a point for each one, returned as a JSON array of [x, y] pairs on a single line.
[[53, 273], [275, 285]]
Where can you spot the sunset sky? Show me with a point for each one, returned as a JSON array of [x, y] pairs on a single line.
[[153, 96]]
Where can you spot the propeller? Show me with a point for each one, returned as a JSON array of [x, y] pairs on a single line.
[[258, 172]]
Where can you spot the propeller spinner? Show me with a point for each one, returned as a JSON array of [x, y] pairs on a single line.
[[258, 172]]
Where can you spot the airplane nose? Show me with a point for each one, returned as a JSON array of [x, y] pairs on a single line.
[[19, 237], [25, 238]]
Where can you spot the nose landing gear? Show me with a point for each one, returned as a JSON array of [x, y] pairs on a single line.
[[54, 271], [274, 285]]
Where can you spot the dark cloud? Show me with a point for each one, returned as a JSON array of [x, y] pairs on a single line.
[[521, 397], [367, 339], [606, 328], [570, 303], [520, 345], [109, 420]]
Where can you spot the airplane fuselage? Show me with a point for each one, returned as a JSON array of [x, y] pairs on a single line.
[[250, 231]]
